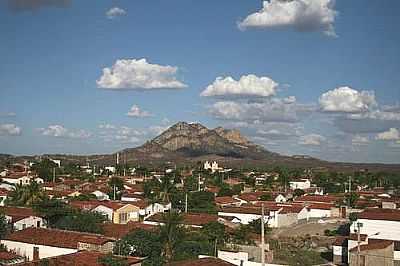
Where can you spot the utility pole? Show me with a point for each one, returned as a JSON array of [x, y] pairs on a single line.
[[359, 225], [114, 191], [186, 202], [54, 174], [199, 183], [262, 236], [349, 190]]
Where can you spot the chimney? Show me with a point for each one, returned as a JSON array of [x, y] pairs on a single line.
[[36, 253]]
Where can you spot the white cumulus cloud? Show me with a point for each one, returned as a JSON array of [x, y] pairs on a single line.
[[135, 111], [347, 100], [9, 130], [311, 140], [115, 12], [139, 74], [391, 134], [249, 85], [301, 15], [359, 140], [60, 131]]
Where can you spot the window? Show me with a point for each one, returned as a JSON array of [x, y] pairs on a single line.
[[23, 226], [123, 217], [38, 224]]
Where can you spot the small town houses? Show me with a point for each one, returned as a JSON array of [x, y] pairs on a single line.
[[21, 218], [34, 243], [374, 239]]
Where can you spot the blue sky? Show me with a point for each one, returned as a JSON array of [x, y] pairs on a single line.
[[345, 87]]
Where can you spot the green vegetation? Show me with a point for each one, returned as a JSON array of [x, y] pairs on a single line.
[[27, 195]]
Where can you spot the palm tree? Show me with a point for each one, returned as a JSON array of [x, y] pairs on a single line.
[[171, 233], [26, 195], [166, 188]]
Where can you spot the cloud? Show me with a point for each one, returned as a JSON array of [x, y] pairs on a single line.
[[273, 110], [347, 100], [301, 15], [311, 140], [359, 140], [115, 12], [369, 122], [391, 134], [59, 131], [23, 5], [139, 74], [135, 111], [7, 114], [9, 130], [107, 126], [249, 85]]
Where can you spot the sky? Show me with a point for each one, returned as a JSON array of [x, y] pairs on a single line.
[[314, 77]]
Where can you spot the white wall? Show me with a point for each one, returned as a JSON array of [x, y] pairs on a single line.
[[29, 222], [318, 213], [104, 210], [389, 230], [25, 249]]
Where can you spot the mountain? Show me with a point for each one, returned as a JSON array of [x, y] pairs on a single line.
[[194, 140], [188, 143]]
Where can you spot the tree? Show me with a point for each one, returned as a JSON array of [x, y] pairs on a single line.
[[171, 233], [225, 190], [110, 260], [4, 227], [215, 233], [82, 221], [44, 169], [52, 210], [141, 243], [26, 195], [352, 198], [116, 185], [353, 217], [266, 197], [298, 192]]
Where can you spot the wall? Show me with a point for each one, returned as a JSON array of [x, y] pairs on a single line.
[[381, 257], [317, 213], [389, 230], [105, 211], [25, 249], [29, 222]]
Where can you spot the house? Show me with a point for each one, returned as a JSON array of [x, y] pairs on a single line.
[[147, 209], [212, 166], [118, 231], [10, 258], [82, 258], [317, 199], [3, 195], [375, 252], [22, 218], [119, 213], [300, 184], [39, 243], [21, 178], [227, 201], [379, 223], [196, 220], [208, 261], [100, 195]]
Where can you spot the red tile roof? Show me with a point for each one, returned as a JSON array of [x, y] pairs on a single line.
[[120, 230], [56, 238], [197, 219], [225, 200], [373, 245], [203, 262], [321, 206], [380, 214], [17, 213], [81, 258], [317, 198]]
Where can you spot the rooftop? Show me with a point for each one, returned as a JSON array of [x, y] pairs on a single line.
[[380, 214], [56, 238]]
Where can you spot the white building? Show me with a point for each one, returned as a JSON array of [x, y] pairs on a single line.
[[301, 184], [22, 218], [212, 166], [38, 243]]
